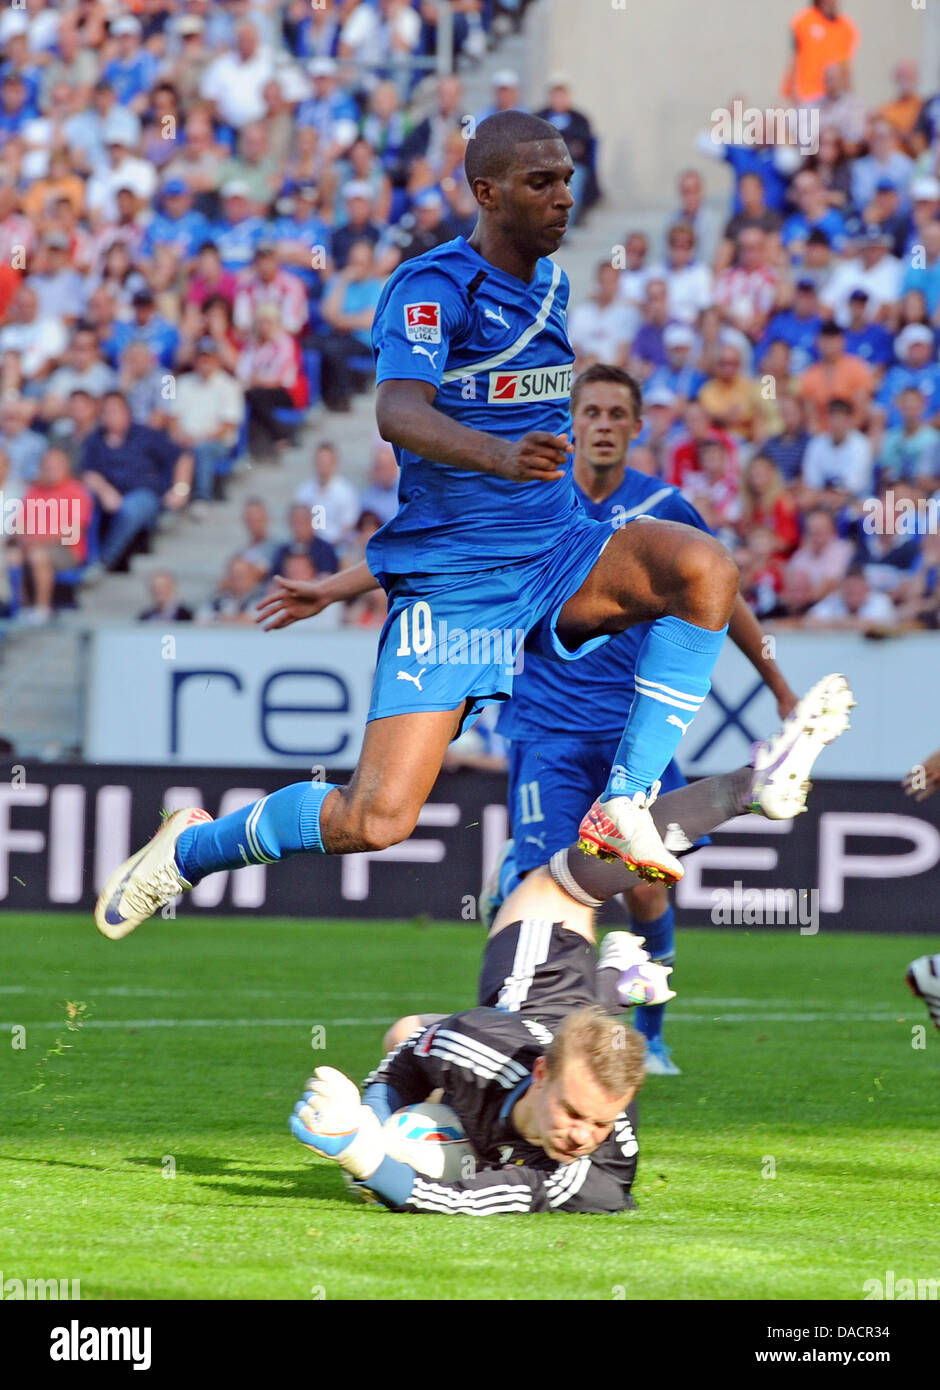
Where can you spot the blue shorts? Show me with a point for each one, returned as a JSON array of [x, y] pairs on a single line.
[[462, 637], [552, 784]]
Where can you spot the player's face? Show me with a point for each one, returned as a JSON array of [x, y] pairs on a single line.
[[534, 199], [572, 1114], [605, 423]]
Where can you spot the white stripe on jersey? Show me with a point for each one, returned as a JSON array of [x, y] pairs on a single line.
[[490, 364], [485, 1053], [383, 1066], [642, 508], [502, 1197], [506, 1076], [567, 1180], [532, 947]]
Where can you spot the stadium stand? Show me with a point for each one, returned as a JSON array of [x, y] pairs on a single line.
[[199, 205]]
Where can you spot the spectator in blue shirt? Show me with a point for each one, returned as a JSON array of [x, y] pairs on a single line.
[[161, 336], [298, 231], [239, 229], [884, 212], [133, 472], [883, 161], [917, 366], [865, 339], [797, 327], [923, 273], [133, 71], [305, 541], [761, 160], [813, 214], [911, 450], [649, 347], [678, 376], [348, 308], [179, 225], [329, 105]]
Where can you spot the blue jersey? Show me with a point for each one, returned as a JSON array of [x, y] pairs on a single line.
[[186, 234], [799, 334], [590, 699], [873, 344], [497, 352], [237, 240], [898, 378]]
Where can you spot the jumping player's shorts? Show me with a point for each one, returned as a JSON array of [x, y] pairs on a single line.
[[451, 638], [552, 784], [538, 969]]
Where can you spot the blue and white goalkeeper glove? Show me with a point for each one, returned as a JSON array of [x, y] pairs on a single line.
[[640, 980], [332, 1121]]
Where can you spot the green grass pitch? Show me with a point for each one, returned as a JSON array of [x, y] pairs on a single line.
[[145, 1149]]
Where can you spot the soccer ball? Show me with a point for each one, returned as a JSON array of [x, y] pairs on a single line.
[[431, 1139]]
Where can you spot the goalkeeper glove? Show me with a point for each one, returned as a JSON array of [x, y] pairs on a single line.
[[640, 980], [332, 1121]]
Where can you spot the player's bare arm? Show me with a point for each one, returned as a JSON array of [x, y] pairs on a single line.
[[745, 632], [295, 599]]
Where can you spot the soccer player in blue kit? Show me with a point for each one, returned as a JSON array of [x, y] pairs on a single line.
[[474, 375], [564, 722]]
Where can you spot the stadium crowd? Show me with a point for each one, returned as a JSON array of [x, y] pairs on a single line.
[[200, 203]]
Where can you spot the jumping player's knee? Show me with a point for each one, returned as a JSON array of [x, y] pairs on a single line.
[[708, 577], [374, 829]]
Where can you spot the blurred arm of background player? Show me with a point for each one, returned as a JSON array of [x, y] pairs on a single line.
[[744, 630], [295, 599], [924, 779]]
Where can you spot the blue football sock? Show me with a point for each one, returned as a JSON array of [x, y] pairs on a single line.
[[673, 677], [286, 822], [660, 943]]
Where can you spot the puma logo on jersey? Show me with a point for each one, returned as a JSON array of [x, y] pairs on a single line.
[[415, 680], [674, 719], [537, 840], [430, 355], [497, 317]]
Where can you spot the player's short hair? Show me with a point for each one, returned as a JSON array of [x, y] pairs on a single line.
[[601, 371], [492, 150], [613, 1051]]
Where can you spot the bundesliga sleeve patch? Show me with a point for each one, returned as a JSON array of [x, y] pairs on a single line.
[[423, 323]]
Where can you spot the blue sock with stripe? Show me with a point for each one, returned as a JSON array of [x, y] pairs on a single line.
[[661, 945], [286, 822], [673, 677]]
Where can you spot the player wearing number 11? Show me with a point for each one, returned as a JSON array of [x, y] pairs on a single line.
[[474, 374]]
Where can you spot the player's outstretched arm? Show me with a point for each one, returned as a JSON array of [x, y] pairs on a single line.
[[406, 416], [744, 631], [295, 599]]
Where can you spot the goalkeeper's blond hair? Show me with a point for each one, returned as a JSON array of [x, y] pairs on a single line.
[[613, 1051]]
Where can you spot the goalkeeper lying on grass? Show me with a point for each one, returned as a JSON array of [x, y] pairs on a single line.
[[542, 1077]]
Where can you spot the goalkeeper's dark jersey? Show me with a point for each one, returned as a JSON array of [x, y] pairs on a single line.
[[482, 1061]]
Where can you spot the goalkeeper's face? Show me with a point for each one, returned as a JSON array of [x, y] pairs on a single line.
[[572, 1115]]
